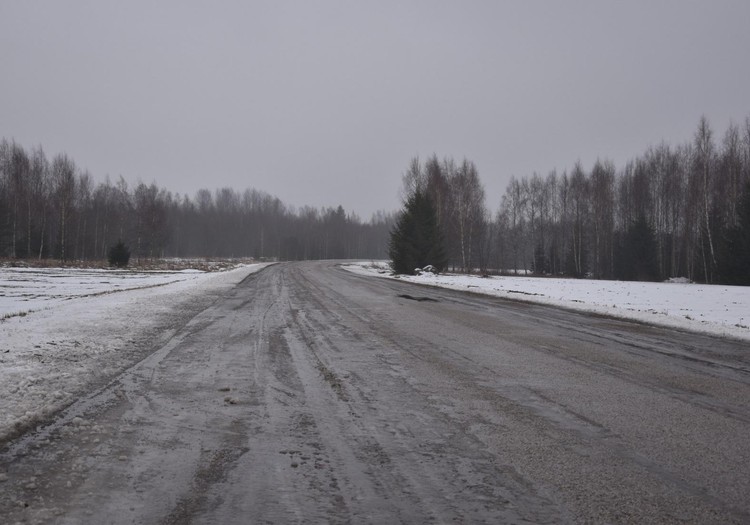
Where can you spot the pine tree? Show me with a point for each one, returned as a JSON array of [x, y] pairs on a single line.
[[416, 240]]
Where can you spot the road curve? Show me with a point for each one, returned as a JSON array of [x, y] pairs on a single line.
[[312, 395]]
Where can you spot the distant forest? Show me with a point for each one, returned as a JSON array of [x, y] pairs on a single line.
[[672, 212], [51, 209]]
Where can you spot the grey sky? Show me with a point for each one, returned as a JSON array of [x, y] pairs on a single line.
[[324, 103]]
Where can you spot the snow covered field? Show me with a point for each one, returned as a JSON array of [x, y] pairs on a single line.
[[27, 290], [65, 331], [712, 309]]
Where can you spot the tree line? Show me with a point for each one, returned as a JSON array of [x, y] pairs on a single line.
[[671, 212], [679, 211], [50, 209]]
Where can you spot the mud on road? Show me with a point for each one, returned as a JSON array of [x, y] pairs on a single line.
[[311, 395]]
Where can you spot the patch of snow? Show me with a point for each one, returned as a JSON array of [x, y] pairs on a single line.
[[63, 330], [713, 309], [25, 290], [427, 269]]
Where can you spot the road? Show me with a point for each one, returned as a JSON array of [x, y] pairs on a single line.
[[312, 395]]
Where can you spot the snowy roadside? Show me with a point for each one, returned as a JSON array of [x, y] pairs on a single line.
[[64, 332], [712, 309]]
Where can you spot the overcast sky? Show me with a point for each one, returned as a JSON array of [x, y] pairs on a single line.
[[324, 103]]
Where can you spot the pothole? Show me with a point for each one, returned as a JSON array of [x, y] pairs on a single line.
[[418, 299]]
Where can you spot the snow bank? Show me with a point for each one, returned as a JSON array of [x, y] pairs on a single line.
[[712, 309], [65, 331]]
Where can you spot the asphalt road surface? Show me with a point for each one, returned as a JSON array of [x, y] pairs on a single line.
[[312, 395]]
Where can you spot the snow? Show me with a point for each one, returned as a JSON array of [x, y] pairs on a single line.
[[27, 290], [712, 309], [64, 331]]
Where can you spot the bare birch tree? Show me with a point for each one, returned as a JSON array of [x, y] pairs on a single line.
[[64, 185]]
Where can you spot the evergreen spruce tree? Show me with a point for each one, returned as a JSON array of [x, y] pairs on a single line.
[[416, 240], [540, 265], [119, 255], [637, 253], [734, 261]]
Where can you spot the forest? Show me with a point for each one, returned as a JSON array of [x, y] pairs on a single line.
[[50, 209], [673, 211], [679, 211]]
